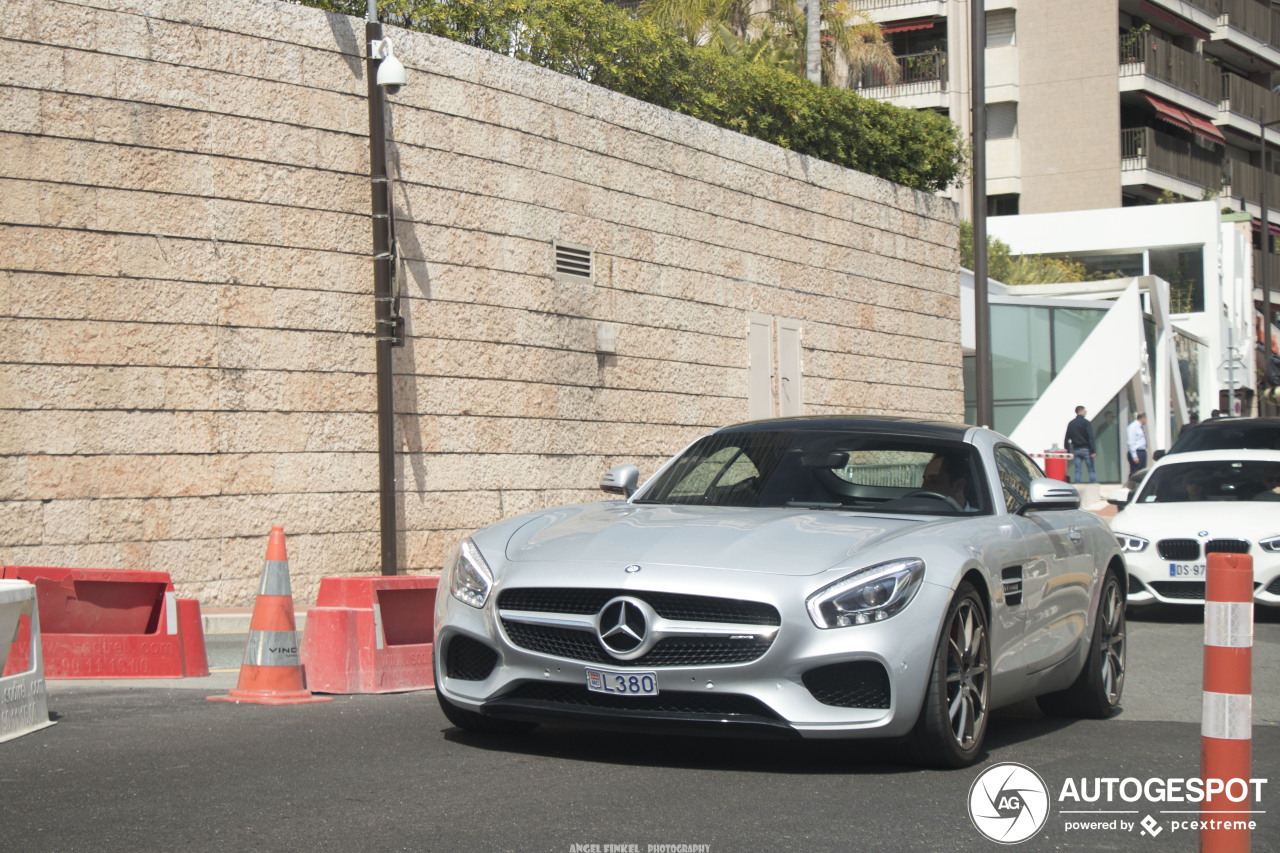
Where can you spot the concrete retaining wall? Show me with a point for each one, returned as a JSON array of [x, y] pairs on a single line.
[[186, 311]]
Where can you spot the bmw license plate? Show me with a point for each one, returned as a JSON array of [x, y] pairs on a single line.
[[622, 683], [1186, 570]]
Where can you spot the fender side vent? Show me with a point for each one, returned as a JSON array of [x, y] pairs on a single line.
[[1012, 579]]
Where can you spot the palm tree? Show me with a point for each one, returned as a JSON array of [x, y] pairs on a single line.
[[850, 41]]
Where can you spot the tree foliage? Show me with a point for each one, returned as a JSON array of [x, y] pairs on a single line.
[[598, 42], [1025, 269], [851, 41]]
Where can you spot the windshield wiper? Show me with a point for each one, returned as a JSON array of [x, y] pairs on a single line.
[[815, 504]]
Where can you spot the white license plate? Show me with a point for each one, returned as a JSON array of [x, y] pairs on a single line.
[[622, 683], [1186, 570]]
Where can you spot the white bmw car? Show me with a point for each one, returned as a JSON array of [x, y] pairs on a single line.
[[816, 577], [1192, 504]]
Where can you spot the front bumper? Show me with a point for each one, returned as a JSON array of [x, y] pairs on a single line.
[[1154, 580], [877, 673]]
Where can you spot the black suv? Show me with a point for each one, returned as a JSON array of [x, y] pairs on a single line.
[[1230, 434]]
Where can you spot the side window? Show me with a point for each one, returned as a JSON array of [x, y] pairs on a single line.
[[1016, 473]]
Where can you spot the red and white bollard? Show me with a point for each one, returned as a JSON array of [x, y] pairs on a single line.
[[1226, 720]]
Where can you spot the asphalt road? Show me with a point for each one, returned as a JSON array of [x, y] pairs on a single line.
[[142, 766]]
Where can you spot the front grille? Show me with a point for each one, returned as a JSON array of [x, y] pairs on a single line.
[[724, 705], [1181, 590], [668, 605], [469, 660], [673, 651], [1178, 549], [1226, 546], [856, 684], [1274, 587]]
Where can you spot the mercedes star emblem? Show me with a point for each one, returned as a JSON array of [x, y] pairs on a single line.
[[622, 626]]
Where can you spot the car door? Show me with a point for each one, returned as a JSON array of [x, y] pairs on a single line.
[[1056, 570]]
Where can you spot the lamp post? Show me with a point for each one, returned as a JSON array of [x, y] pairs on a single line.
[[982, 379], [384, 325]]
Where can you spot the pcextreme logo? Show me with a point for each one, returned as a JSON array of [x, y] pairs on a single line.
[[1009, 803]]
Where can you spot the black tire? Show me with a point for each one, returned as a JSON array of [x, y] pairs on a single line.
[[961, 679], [1096, 692], [470, 721]]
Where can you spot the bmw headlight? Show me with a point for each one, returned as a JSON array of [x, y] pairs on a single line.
[[1131, 543], [868, 595], [1271, 546], [468, 575]]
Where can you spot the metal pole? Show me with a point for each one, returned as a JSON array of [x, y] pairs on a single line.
[[982, 311], [384, 331], [1264, 277]]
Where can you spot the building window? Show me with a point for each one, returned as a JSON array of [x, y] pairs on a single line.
[[1002, 205], [1000, 28], [1002, 120]]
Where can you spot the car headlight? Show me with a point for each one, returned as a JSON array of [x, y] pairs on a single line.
[[1271, 545], [469, 576], [868, 595], [1131, 543]]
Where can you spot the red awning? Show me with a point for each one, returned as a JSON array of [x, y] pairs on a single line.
[[904, 26], [1271, 226], [1150, 10], [1206, 128], [1186, 120]]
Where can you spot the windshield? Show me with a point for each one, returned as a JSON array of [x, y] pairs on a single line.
[[1227, 480], [825, 469]]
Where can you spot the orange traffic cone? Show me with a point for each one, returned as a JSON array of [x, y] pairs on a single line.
[[271, 673]]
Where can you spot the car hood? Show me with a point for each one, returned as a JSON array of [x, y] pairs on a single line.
[[1207, 519], [777, 541]]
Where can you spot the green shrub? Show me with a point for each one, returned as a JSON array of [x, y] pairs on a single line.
[[596, 41]]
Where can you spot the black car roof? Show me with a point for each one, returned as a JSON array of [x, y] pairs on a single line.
[[1246, 432], [878, 424]]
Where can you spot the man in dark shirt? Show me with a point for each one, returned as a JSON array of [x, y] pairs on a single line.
[[1081, 443]]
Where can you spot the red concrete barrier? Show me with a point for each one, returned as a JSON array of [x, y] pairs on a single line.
[[111, 623], [371, 634], [1226, 720]]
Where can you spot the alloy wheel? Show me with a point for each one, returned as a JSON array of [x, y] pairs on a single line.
[[1112, 641], [967, 674]]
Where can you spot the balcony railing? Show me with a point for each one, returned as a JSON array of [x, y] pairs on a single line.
[[1245, 98], [922, 73], [1273, 273], [1148, 148], [1147, 53], [1248, 16], [884, 4], [1246, 182]]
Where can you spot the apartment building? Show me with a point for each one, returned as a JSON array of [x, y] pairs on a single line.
[[1101, 103]]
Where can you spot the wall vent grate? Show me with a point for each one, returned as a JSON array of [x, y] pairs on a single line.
[[573, 261]]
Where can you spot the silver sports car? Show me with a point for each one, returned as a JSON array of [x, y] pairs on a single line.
[[821, 577]]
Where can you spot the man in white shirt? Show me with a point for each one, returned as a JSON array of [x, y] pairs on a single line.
[[1136, 439]]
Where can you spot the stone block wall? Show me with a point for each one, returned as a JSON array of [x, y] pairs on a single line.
[[186, 309]]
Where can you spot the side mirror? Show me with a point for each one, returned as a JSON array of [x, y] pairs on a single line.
[[1052, 494], [1119, 497], [623, 480]]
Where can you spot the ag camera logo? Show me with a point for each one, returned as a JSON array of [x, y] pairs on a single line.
[[1009, 803]]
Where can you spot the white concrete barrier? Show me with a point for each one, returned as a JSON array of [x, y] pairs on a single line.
[[23, 708]]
